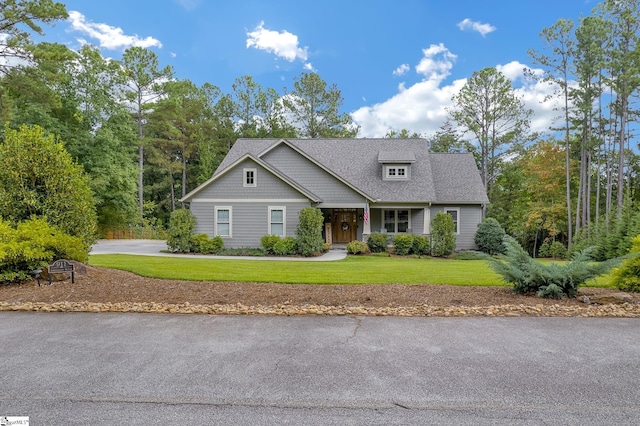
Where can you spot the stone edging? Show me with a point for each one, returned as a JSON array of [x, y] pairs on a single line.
[[624, 310]]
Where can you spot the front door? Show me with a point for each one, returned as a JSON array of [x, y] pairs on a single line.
[[345, 225]]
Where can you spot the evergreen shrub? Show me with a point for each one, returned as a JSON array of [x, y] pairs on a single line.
[[442, 233], [182, 223], [377, 242], [357, 247], [627, 276], [309, 232], [402, 244], [268, 241], [286, 246], [489, 237], [421, 245]]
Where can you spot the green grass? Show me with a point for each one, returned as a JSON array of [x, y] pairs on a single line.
[[352, 270]]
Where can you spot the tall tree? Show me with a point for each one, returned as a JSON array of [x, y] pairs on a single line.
[[558, 38], [145, 78], [315, 109], [259, 113], [18, 20], [448, 139], [624, 61], [488, 108]]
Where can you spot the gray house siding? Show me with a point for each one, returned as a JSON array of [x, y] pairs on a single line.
[[230, 185], [310, 176], [249, 220], [470, 217]]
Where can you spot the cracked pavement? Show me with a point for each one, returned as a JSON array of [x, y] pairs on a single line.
[[84, 368]]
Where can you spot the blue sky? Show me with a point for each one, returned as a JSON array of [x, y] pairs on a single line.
[[397, 63]]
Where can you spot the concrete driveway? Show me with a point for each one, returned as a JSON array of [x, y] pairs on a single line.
[[156, 247], [99, 369]]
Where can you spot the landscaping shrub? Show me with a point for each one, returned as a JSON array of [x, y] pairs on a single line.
[[627, 276], [545, 249], [442, 228], [309, 231], [402, 244], [268, 241], [554, 280], [182, 223], [421, 245], [558, 250], [34, 244], [489, 237], [357, 247], [285, 247], [201, 243], [469, 255], [377, 242]]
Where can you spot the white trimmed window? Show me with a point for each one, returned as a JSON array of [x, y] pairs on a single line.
[[454, 212], [396, 221], [277, 221], [396, 172], [250, 177], [223, 221]]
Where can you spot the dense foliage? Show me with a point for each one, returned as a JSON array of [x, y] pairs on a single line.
[[309, 231], [377, 242], [489, 237], [627, 276], [553, 280], [201, 243], [443, 240], [357, 247], [181, 226], [32, 244], [38, 178], [402, 244]]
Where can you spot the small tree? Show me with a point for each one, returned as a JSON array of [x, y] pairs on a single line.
[[489, 237], [182, 223], [309, 231], [443, 239]]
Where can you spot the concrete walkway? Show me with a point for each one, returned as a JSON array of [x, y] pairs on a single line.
[[159, 248]]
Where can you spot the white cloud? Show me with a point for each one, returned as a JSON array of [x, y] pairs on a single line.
[[283, 44], [422, 106], [468, 24], [402, 69], [436, 62], [108, 37]]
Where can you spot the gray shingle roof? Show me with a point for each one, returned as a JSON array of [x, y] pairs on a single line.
[[437, 178]]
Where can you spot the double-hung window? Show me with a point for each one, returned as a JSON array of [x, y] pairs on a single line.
[[223, 221], [277, 220], [455, 215], [396, 221]]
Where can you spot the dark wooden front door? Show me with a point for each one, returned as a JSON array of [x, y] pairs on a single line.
[[345, 225]]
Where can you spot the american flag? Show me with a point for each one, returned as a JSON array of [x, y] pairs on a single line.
[[365, 216]]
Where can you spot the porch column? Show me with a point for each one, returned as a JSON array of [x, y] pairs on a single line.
[[426, 230], [366, 231]]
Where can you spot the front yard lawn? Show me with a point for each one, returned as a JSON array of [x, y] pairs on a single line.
[[352, 270]]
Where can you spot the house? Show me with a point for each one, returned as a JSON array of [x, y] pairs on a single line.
[[360, 185]]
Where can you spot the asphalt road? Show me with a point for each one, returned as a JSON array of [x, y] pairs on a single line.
[[140, 369]]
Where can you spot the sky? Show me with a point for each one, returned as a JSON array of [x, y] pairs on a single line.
[[396, 63]]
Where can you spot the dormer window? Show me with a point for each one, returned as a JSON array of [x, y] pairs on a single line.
[[250, 177], [396, 165], [396, 171]]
